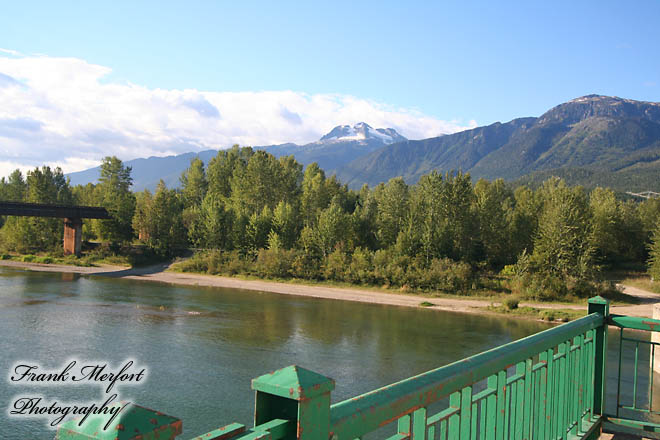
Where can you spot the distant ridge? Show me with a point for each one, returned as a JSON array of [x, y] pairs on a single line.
[[147, 172], [589, 140], [338, 147]]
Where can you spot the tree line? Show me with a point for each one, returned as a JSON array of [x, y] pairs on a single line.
[[248, 212]]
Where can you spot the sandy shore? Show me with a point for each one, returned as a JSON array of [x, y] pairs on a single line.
[[158, 273]]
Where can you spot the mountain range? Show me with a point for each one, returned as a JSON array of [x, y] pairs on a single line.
[[591, 140], [334, 150]]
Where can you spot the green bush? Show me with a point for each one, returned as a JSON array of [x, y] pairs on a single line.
[[274, 263], [306, 266], [548, 315], [335, 265], [28, 258], [360, 271], [511, 303]]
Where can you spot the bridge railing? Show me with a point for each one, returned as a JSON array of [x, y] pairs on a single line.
[[634, 411], [550, 385]]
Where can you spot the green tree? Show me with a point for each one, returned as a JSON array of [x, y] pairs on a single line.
[[333, 227], [315, 196], [194, 184], [564, 246], [223, 166], [163, 224], [114, 194], [493, 208], [654, 255], [33, 234], [13, 189], [264, 182], [393, 205], [286, 224]]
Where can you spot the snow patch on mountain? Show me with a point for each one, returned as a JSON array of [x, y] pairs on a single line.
[[362, 132]]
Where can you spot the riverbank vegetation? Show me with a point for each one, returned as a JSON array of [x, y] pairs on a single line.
[[249, 213]]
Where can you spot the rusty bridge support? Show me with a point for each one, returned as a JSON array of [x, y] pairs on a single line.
[[72, 236]]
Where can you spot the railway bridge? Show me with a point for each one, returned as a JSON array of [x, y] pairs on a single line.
[[72, 216]]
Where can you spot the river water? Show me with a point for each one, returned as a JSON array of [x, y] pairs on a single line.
[[202, 346]]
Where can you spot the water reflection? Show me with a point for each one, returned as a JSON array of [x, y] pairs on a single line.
[[202, 346]]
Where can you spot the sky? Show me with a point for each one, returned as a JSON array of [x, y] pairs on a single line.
[[83, 80]]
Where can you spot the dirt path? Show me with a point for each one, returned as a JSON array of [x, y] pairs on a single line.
[[158, 273]]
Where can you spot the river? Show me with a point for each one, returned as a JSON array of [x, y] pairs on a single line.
[[202, 346]]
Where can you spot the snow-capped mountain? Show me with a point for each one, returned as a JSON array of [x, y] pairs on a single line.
[[362, 132], [340, 146]]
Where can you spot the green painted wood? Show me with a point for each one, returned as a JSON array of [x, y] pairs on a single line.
[[455, 419], [571, 384], [419, 424], [520, 401], [538, 424], [224, 433], [403, 427], [293, 382], [489, 426], [131, 423], [466, 412], [513, 410], [601, 306], [482, 419], [528, 399], [500, 409], [549, 396], [634, 322], [360, 415], [562, 392]]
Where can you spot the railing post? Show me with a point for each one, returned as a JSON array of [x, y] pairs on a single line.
[[294, 393], [129, 421], [601, 306]]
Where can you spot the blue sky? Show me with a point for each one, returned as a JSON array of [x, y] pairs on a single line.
[[455, 63]]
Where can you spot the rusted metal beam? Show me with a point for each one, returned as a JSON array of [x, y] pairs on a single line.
[[60, 211]]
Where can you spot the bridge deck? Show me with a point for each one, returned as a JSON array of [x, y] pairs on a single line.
[[42, 210]]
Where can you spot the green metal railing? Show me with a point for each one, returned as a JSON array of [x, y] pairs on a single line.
[[631, 332], [550, 385]]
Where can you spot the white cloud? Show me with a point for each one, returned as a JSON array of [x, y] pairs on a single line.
[[58, 111]]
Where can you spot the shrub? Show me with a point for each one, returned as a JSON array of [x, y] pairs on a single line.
[[274, 263], [360, 270], [28, 258], [548, 315], [511, 303], [306, 266], [335, 265]]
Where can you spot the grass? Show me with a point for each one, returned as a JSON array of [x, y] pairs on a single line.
[[86, 260], [552, 315]]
